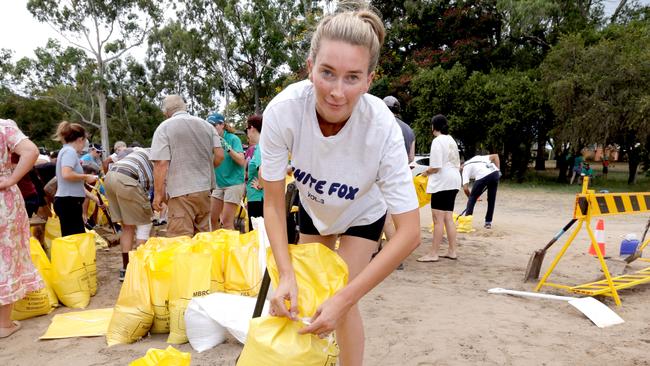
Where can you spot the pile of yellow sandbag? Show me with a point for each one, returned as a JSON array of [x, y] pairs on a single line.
[[71, 276], [164, 274]]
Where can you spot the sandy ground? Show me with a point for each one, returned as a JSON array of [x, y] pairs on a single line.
[[434, 313]]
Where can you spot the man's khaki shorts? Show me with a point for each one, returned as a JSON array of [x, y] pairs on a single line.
[[232, 194], [128, 202], [188, 214]]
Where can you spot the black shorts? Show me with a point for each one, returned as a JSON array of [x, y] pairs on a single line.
[[371, 231], [443, 200]]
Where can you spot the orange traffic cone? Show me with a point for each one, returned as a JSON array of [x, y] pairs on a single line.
[[600, 238]]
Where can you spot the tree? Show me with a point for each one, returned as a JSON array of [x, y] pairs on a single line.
[[252, 40], [180, 63], [103, 29], [600, 91]]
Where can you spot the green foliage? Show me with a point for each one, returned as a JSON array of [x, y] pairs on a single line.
[[251, 41], [36, 118], [600, 92]]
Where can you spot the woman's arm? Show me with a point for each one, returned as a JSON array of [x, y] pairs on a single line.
[[405, 240], [28, 153], [237, 157], [275, 222], [495, 159], [430, 171], [69, 174]]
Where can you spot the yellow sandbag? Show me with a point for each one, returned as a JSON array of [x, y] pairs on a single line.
[[89, 323], [168, 357], [52, 231], [89, 257], [159, 269], [100, 242], [275, 341], [133, 313], [320, 273], [420, 183], [190, 277], [463, 223], [69, 274], [42, 263], [217, 249], [242, 273], [35, 303]]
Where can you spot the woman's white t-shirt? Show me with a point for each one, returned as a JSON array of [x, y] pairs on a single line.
[[444, 156], [349, 179]]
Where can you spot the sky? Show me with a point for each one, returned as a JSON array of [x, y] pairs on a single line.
[[22, 33]]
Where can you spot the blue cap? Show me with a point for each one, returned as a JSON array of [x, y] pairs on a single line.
[[215, 118]]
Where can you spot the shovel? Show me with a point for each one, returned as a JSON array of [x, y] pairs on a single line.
[[535, 261], [593, 309]]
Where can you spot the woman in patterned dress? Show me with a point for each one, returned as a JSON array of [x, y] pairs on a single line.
[[18, 276]]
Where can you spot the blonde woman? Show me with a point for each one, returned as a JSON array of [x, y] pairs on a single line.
[[350, 168]]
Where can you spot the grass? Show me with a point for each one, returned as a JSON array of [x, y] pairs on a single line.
[[616, 180]]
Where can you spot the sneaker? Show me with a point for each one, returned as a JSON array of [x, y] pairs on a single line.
[[487, 225], [122, 274]]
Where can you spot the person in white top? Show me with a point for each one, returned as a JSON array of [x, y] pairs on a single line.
[[443, 185], [484, 170], [350, 167]]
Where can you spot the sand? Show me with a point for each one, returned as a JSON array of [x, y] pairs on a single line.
[[434, 313]]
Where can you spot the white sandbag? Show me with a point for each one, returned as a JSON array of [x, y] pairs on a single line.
[[232, 312], [202, 331]]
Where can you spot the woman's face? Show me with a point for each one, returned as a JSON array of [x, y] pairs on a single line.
[[250, 133], [340, 76], [81, 144], [220, 128]]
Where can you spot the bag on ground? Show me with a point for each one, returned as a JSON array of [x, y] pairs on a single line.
[[202, 331], [216, 244], [167, 357], [463, 223], [70, 277], [37, 302], [44, 266], [52, 231], [133, 313], [242, 274], [88, 323], [190, 277], [320, 273]]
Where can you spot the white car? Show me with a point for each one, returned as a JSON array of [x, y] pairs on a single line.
[[419, 164]]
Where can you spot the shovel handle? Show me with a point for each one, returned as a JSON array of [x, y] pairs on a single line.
[[559, 234]]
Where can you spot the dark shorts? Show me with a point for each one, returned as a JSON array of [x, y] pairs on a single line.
[[443, 200], [371, 231]]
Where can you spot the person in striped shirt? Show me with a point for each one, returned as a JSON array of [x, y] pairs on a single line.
[[128, 183]]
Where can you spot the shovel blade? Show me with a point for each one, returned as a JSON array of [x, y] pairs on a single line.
[[534, 265]]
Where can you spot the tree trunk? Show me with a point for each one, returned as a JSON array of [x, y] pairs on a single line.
[[633, 162], [103, 123], [562, 165], [540, 160]]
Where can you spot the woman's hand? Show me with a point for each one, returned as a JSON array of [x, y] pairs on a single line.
[[287, 291], [327, 317], [256, 184], [90, 179]]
